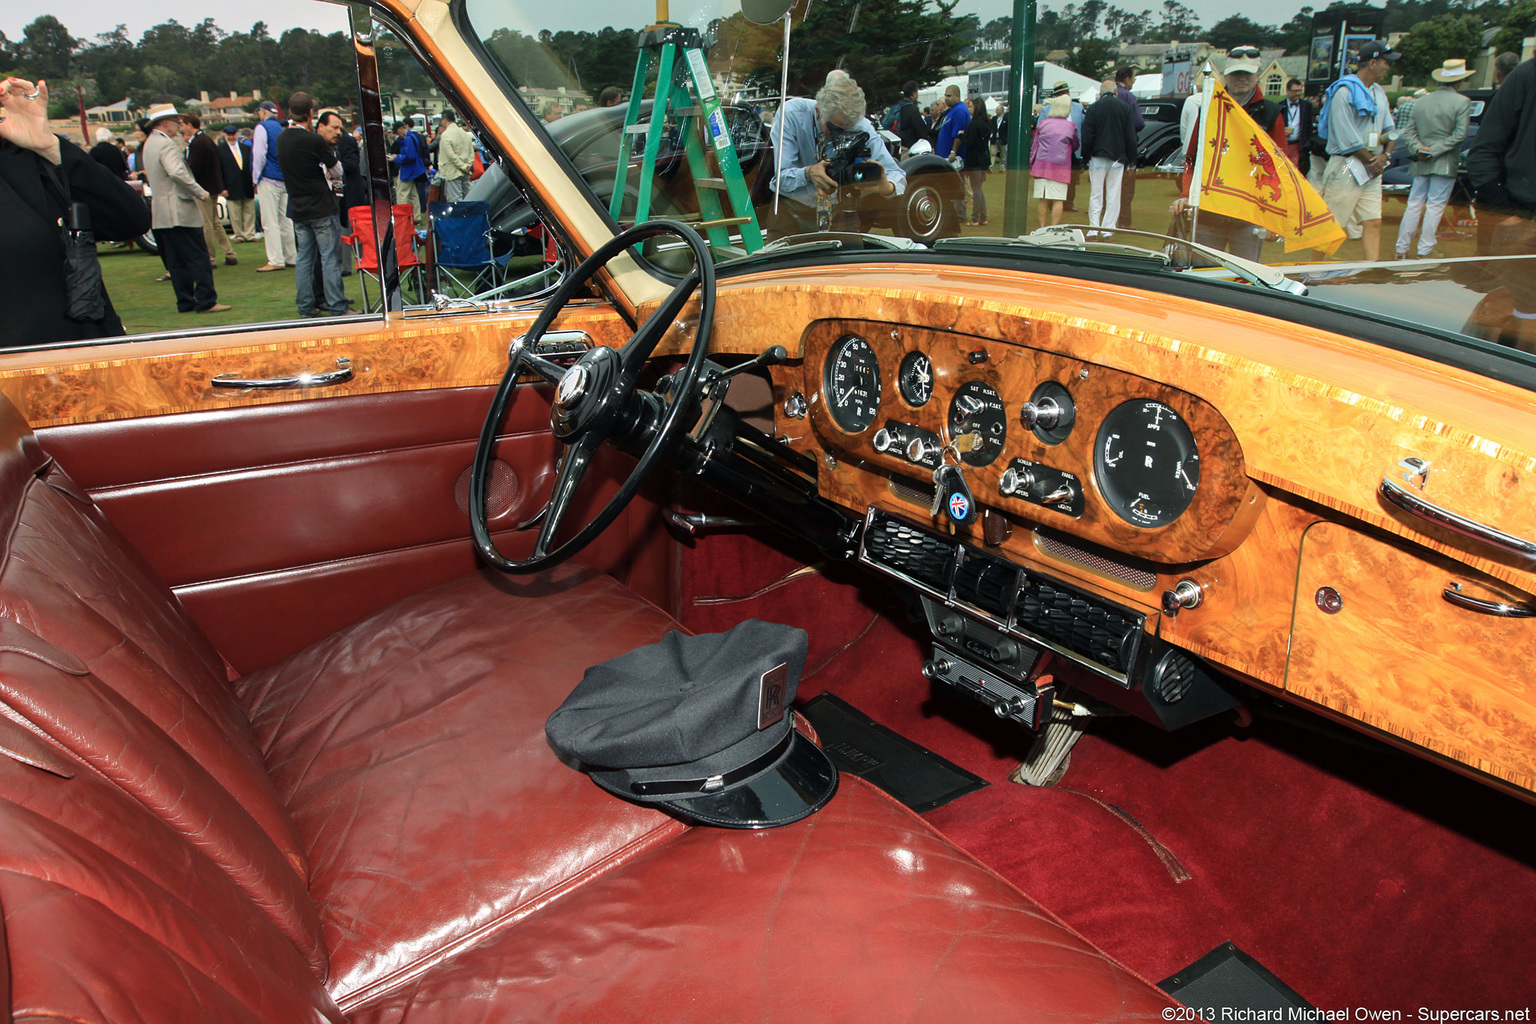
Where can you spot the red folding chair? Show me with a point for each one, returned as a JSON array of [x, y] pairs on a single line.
[[365, 248]]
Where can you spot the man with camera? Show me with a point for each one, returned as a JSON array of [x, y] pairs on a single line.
[[830, 154]]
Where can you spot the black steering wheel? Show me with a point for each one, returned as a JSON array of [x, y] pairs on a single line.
[[596, 399]]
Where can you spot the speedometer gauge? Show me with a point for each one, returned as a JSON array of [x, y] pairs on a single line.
[[851, 382], [1146, 462]]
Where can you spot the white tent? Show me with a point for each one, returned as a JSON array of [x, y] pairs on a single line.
[[1079, 85]]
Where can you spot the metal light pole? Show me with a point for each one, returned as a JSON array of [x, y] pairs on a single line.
[[1021, 120]]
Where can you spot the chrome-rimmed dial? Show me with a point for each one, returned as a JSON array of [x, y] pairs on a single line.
[[1146, 463], [915, 379], [851, 383]]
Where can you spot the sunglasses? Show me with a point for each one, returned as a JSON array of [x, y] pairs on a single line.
[[1243, 51]]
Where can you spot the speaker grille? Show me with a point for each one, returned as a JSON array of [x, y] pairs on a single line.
[[1173, 677], [501, 490], [1057, 548]]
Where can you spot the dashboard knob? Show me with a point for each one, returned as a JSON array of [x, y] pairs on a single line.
[[1012, 482], [1062, 491], [1185, 594], [1008, 707], [1044, 413], [885, 440], [921, 448], [795, 406], [937, 668]]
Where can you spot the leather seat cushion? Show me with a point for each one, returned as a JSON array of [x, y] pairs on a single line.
[[410, 750], [860, 912]]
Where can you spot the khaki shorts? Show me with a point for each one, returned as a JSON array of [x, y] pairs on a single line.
[[1345, 196], [1045, 188]]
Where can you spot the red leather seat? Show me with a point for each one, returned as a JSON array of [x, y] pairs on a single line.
[[375, 828]]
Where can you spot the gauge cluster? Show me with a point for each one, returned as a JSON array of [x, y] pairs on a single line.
[[1035, 435]]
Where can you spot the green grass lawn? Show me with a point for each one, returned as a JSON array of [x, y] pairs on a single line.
[[149, 305]]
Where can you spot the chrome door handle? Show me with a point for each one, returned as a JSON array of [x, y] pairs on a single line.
[[343, 372], [1501, 609], [1413, 504]]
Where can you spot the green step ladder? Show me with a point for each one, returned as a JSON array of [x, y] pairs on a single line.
[[684, 89]]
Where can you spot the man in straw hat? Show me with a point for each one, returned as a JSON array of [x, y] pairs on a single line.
[[1432, 134], [175, 215]]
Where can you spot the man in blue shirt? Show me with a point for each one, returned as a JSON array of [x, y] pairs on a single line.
[[411, 185], [807, 125], [951, 143]]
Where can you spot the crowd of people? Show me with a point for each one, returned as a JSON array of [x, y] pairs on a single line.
[[290, 182]]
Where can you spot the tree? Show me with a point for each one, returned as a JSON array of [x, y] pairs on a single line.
[[1514, 21], [907, 39], [46, 48], [1437, 40], [1295, 36], [1094, 58], [1238, 31]]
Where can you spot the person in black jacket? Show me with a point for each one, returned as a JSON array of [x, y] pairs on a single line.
[[39, 171], [907, 119], [1109, 144], [978, 157], [239, 192], [106, 153], [203, 161], [1501, 165]]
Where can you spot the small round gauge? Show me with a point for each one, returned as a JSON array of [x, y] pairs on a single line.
[[915, 378], [1146, 463], [978, 409], [851, 382]]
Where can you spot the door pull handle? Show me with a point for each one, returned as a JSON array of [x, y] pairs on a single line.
[[325, 378], [1500, 609]]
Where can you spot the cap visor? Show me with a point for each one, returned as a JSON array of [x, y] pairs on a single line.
[[798, 785]]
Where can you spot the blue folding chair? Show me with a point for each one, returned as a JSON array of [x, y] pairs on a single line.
[[461, 248]]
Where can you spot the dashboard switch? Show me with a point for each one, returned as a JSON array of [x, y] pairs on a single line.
[[922, 449], [1044, 414], [1185, 594], [885, 440]]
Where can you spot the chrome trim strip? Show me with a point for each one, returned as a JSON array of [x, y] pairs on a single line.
[[1414, 505]]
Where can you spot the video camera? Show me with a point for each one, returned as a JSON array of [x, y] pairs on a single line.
[[846, 151]]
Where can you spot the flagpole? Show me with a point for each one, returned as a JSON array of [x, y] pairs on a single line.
[[1208, 90]]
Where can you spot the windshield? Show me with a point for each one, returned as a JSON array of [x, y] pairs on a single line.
[[1282, 139]]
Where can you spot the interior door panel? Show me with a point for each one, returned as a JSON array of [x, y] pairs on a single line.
[[278, 524]]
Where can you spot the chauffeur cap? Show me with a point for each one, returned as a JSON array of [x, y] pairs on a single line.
[[700, 725]]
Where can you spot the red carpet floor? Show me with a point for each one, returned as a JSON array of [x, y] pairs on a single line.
[[1362, 877]]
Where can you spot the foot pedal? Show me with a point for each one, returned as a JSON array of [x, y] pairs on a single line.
[[1051, 755]]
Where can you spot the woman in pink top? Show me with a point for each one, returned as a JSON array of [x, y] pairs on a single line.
[[1050, 159]]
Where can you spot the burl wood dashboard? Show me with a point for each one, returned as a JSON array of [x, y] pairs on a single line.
[[1308, 583], [1311, 586]]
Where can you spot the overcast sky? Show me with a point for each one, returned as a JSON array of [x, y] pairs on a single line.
[[88, 18]]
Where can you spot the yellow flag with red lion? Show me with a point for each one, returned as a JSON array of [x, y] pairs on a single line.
[[1239, 173]]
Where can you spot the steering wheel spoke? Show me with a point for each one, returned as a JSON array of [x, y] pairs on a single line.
[[546, 368], [574, 466], [593, 396]]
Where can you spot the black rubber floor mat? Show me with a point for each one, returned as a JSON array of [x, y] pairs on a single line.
[[1227, 980], [861, 746]]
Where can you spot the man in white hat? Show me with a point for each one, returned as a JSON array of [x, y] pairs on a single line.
[[1433, 134], [175, 216]]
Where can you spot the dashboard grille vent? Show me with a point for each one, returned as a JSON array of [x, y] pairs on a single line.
[[912, 493], [1080, 623], [986, 584], [908, 552], [1057, 548]]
